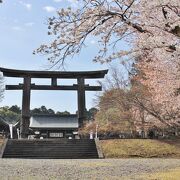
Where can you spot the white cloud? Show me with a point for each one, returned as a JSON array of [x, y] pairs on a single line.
[[49, 9], [57, 0], [17, 28], [73, 1], [93, 42], [28, 6], [29, 24]]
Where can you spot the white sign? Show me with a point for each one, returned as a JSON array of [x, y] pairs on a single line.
[[56, 134], [91, 135]]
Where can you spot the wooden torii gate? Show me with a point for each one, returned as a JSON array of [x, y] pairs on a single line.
[[27, 86]]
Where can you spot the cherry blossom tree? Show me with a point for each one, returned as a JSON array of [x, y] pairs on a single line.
[[133, 105], [112, 21], [150, 28]]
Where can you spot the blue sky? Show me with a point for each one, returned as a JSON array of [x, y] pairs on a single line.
[[23, 29]]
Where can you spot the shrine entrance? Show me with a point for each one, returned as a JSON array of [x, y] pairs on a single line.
[[27, 86]]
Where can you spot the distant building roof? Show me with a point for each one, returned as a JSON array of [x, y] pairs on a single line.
[[4, 126], [3, 122], [54, 121]]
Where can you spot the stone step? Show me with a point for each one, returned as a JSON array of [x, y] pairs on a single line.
[[52, 149]]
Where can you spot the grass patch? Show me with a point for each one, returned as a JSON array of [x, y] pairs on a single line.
[[145, 148], [172, 174]]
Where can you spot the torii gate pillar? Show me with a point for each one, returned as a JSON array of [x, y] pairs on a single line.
[[81, 101], [24, 123]]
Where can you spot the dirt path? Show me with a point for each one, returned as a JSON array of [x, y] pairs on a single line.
[[109, 169]]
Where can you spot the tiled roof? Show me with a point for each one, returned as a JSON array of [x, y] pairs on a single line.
[[3, 122], [54, 121]]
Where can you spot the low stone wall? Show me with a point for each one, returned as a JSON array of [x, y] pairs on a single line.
[[3, 143], [99, 148]]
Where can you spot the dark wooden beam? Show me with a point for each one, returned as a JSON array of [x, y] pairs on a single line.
[[81, 101], [24, 124], [48, 87], [54, 74]]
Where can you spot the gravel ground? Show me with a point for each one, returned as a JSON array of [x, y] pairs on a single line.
[[34, 169]]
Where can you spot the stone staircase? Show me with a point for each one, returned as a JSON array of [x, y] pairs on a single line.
[[51, 149]]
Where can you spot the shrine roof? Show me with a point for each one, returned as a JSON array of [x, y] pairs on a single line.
[[54, 121], [53, 74], [3, 122]]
